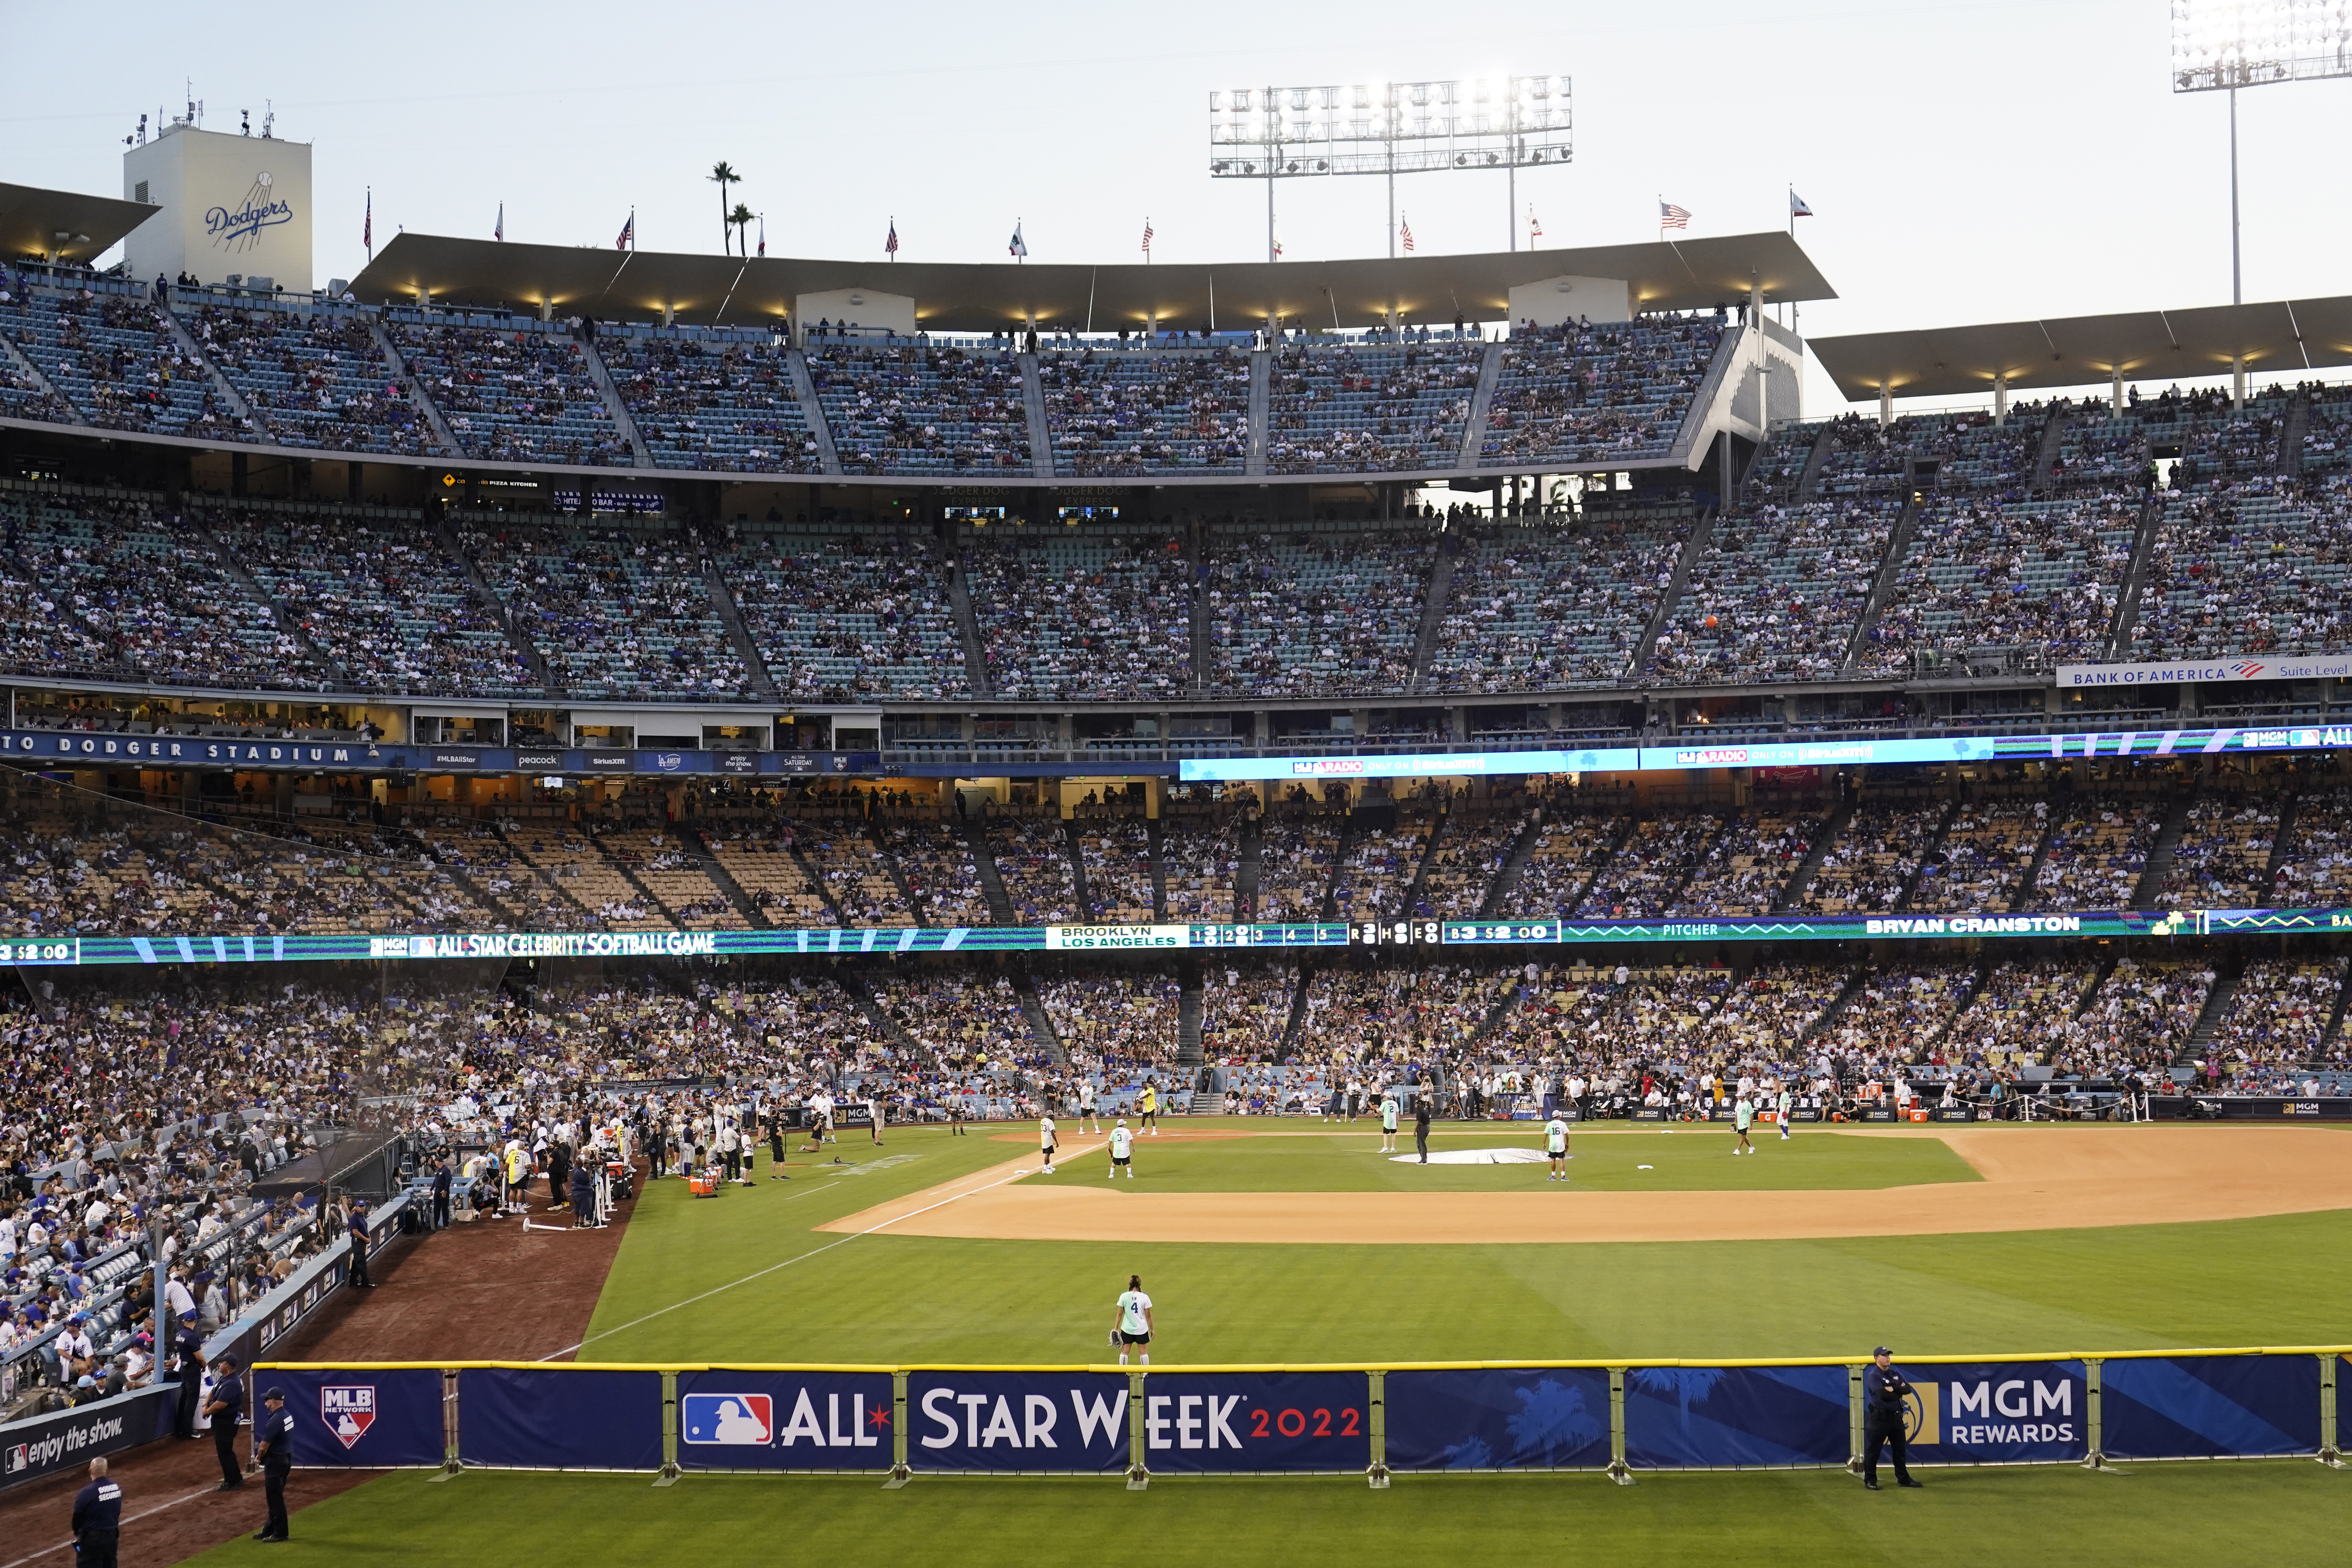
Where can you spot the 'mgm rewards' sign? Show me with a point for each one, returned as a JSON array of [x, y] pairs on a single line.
[[1991, 1412]]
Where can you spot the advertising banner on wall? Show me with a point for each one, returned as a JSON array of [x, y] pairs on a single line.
[[2194, 1407], [44, 1444], [522, 1418], [1554, 1419], [362, 1418], [734, 1420], [1227, 1421], [1017, 1421], [1993, 1413], [1714, 1418]]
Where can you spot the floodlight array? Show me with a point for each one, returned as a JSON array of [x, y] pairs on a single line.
[[1379, 128], [2219, 44]]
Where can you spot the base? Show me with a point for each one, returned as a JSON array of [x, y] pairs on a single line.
[[1618, 1472], [1378, 1478], [1138, 1478]]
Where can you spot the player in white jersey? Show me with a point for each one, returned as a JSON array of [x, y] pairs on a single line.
[[1087, 1107], [1122, 1150], [1556, 1148], [1132, 1327], [1046, 1141]]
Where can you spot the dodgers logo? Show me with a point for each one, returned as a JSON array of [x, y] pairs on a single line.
[[731, 1420], [348, 1409]]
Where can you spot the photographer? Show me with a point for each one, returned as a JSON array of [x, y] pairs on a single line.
[[1883, 1390]]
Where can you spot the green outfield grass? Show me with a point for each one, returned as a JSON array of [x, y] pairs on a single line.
[[826, 1295], [2280, 1513], [1672, 1161]]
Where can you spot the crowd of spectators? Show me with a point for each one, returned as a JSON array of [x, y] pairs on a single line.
[[1749, 866], [1122, 871], [1033, 861], [1204, 858], [2096, 852], [1245, 1009], [1086, 612], [1369, 409], [1291, 614], [117, 362], [316, 378], [938, 866], [916, 409], [1538, 605], [1582, 392], [2222, 860], [2255, 566], [1776, 594], [1867, 867], [1645, 878], [1122, 414], [1986, 851], [711, 398], [843, 614], [523, 393]]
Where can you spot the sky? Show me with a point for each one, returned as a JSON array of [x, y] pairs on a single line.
[[1967, 160]]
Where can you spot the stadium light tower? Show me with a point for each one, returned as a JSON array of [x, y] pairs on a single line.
[[1391, 128], [2224, 45]]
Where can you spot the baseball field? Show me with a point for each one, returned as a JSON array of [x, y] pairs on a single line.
[[1305, 1242]]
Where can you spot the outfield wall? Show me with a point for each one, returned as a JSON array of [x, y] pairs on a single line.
[[1619, 1418]]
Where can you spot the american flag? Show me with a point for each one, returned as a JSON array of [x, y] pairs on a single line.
[[1407, 226], [890, 246], [1147, 236], [367, 224], [628, 240], [1672, 217]]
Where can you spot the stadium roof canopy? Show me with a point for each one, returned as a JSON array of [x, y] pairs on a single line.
[[985, 296], [2079, 350], [64, 226]]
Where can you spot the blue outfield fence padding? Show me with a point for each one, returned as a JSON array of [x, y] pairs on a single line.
[[1552, 1418], [732, 1419], [560, 1418], [2209, 1406], [1017, 1422], [1240, 1421], [1706, 1417], [1234, 1420], [364, 1417]]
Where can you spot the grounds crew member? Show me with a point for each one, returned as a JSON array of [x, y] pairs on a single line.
[[1883, 1391], [227, 1404], [273, 1445], [97, 1518]]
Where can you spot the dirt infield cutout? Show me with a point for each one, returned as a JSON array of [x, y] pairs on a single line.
[[2050, 1178]]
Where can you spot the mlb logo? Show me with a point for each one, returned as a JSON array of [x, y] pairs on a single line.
[[348, 1409], [19, 1458], [729, 1420]]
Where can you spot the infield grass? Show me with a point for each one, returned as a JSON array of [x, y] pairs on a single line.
[[2280, 1513], [807, 1295], [1671, 1161]]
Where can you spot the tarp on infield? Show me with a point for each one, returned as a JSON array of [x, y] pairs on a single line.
[[734, 1420], [560, 1418], [1017, 1422], [2195, 1407], [1680, 1417], [362, 1418], [1498, 1419]]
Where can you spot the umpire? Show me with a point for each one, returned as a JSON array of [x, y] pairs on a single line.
[[1883, 1418], [273, 1445], [97, 1519]]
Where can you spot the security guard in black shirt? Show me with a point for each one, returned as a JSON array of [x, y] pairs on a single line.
[[1884, 1418], [227, 1404], [188, 1355], [273, 1445], [97, 1518]]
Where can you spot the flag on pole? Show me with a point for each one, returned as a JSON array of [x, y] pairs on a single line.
[[891, 245], [1277, 247], [1671, 215], [628, 240], [763, 234], [367, 224], [499, 233], [1535, 225], [1019, 248], [1796, 207], [1146, 238], [1406, 226]]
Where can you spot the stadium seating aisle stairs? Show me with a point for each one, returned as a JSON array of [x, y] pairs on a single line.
[[2143, 554], [2045, 455], [1811, 479], [811, 410], [1881, 586], [724, 880], [1433, 614], [2219, 997], [1499, 892], [517, 631], [1158, 840], [730, 617], [1070, 847], [1041, 1021], [1248, 870], [1481, 399], [1410, 903], [228, 390], [613, 404], [22, 364], [1261, 409], [2298, 420], [286, 620], [2336, 1020], [1032, 400], [992, 884], [435, 420], [975, 652], [1832, 829], [2159, 870], [2282, 844], [1688, 562]]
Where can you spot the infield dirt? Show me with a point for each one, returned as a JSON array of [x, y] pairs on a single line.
[[2047, 1178]]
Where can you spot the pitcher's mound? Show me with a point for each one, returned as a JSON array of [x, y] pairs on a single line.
[[1475, 1157]]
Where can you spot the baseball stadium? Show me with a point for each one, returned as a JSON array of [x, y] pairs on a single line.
[[700, 906]]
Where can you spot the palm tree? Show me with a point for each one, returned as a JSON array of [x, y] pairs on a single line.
[[743, 217], [723, 174]]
